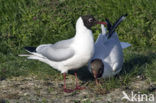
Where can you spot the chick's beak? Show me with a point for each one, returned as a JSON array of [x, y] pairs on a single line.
[[95, 76]]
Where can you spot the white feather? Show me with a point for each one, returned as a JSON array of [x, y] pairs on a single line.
[[104, 30], [24, 55]]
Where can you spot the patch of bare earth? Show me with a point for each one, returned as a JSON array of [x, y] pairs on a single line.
[[33, 90]]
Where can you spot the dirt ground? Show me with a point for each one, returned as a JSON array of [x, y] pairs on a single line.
[[33, 90]]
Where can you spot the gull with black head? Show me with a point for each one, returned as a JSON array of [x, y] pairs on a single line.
[[68, 54]]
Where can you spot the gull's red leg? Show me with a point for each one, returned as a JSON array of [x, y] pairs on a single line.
[[65, 87], [77, 85]]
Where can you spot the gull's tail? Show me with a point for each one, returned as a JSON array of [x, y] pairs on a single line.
[[24, 55], [37, 56], [30, 50], [33, 54]]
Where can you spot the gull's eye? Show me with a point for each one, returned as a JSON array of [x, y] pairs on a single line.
[[100, 71], [90, 20]]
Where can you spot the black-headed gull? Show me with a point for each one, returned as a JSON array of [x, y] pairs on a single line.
[[108, 57], [68, 54]]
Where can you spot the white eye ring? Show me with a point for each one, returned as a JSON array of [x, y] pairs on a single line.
[[90, 19]]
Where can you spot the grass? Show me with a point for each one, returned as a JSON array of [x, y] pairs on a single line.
[[30, 23]]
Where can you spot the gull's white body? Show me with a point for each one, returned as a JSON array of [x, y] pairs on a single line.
[[81, 47], [110, 52]]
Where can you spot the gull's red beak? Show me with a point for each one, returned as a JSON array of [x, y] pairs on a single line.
[[104, 23]]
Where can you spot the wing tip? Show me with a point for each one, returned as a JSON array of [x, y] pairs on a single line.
[[30, 49], [125, 45]]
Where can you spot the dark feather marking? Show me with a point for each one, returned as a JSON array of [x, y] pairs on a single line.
[[30, 49]]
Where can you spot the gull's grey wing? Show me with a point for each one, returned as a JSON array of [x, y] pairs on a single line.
[[63, 44], [56, 52]]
